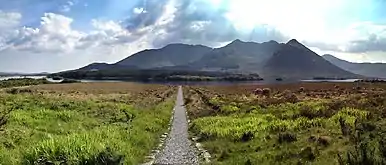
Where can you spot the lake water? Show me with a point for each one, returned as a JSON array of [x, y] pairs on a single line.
[[347, 80], [191, 82]]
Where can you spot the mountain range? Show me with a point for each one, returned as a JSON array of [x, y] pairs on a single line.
[[268, 59], [376, 70]]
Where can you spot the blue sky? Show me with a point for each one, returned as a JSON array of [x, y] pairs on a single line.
[[54, 35]]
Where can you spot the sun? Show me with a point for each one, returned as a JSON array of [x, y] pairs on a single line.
[[295, 17]]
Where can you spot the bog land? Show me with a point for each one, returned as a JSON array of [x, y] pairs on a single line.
[[82, 123], [120, 123]]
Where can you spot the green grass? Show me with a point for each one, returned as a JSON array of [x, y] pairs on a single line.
[[255, 137], [77, 128], [242, 129]]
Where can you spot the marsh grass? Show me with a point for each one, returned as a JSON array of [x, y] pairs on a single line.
[[51, 127], [319, 126]]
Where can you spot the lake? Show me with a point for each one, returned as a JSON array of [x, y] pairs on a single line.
[[190, 82]]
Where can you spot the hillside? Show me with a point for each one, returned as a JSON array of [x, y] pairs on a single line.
[[237, 56], [171, 55], [269, 59], [297, 61], [368, 69]]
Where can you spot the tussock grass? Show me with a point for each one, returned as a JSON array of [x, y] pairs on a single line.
[[319, 124], [57, 127]]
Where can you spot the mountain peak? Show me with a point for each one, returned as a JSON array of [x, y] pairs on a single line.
[[273, 41], [293, 41], [296, 43], [237, 41]]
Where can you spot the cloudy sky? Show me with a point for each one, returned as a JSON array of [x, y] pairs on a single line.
[[55, 35]]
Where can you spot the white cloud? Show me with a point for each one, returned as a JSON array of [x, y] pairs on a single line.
[[56, 40], [53, 35], [67, 7], [9, 20], [199, 25], [139, 10]]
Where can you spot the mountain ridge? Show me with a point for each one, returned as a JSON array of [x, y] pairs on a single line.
[[291, 59], [296, 60], [376, 70]]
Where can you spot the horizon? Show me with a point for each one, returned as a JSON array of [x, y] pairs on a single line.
[[44, 36]]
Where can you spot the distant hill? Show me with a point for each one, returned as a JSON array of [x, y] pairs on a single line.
[[368, 69], [295, 60], [171, 55], [103, 66], [238, 56], [269, 59], [23, 74]]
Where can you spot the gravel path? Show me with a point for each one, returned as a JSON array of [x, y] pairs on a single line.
[[178, 148]]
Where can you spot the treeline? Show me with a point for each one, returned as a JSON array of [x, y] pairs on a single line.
[[156, 75]]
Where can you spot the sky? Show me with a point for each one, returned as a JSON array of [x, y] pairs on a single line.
[[57, 35]]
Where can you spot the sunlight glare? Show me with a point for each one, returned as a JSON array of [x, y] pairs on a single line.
[[295, 17]]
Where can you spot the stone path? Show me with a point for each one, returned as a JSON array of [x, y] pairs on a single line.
[[178, 148]]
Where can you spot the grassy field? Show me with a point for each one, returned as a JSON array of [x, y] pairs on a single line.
[[83, 123], [309, 123]]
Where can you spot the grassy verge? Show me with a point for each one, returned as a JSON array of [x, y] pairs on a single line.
[[303, 125], [83, 127]]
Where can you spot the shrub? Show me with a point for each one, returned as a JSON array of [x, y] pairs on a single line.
[[287, 137], [307, 153], [258, 91], [247, 136], [22, 82], [361, 154], [344, 127], [290, 97], [18, 90], [310, 112], [279, 79], [67, 81], [266, 92], [324, 140]]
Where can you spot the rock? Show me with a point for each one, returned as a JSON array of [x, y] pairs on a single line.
[[195, 138], [207, 155]]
